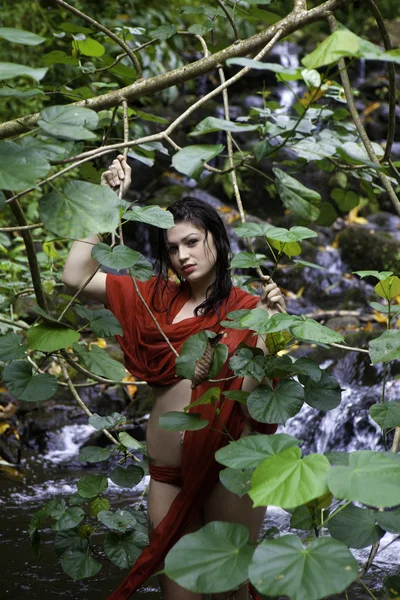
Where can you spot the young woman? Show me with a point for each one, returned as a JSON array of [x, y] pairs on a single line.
[[185, 492]]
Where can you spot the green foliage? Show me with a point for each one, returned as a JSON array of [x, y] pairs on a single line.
[[49, 61]]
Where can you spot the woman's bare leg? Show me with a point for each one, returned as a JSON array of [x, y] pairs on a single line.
[[161, 496]]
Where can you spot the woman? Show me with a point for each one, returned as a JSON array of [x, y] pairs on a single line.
[[184, 492]]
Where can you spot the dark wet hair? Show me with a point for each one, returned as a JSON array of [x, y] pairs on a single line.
[[205, 217]]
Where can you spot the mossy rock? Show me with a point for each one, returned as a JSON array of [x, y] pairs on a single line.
[[364, 249]]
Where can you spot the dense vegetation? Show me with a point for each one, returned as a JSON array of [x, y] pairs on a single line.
[[74, 93]]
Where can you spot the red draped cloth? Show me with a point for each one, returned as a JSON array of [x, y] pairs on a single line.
[[148, 357]]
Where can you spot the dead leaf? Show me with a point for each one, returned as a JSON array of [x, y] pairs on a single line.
[[131, 389]]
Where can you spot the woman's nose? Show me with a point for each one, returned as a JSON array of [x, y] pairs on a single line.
[[183, 253]]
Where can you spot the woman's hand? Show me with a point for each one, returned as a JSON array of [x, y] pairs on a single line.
[[271, 299], [118, 175]]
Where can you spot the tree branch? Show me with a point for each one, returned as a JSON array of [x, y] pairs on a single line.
[[31, 254], [109, 33], [391, 78], [230, 19], [292, 22], [22, 227], [359, 125]]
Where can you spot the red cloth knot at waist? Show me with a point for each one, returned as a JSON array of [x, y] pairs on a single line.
[[171, 475]]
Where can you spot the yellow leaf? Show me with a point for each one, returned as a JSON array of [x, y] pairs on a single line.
[[4, 427], [300, 292], [335, 243], [368, 326], [100, 342], [353, 217], [131, 389], [371, 108], [379, 317]]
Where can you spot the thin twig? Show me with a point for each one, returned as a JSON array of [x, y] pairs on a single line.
[[22, 227], [109, 33], [350, 348], [230, 19], [391, 79], [98, 378], [359, 125], [31, 254]]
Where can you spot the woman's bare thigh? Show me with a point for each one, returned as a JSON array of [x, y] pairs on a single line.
[[161, 496]]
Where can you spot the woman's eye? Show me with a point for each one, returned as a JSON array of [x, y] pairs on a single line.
[[171, 250], [192, 242]]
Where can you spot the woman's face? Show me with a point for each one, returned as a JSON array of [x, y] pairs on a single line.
[[192, 256]]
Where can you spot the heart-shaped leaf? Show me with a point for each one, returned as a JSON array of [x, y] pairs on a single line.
[[287, 480], [212, 560], [69, 122], [278, 404], [26, 386]]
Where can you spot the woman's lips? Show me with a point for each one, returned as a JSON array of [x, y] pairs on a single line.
[[188, 269]]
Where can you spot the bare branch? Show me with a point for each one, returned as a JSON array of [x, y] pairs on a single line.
[[359, 125], [109, 33], [31, 254], [22, 227], [294, 21], [391, 79], [230, 19], [300, 5]]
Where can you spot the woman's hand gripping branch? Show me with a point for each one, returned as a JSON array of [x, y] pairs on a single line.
[[118, 175], [271, 298]]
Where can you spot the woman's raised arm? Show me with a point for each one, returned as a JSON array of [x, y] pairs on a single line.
[[80, 264]]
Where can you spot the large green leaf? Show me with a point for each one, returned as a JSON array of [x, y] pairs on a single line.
[[69, 122], [153, 215], [236, 481], [355, 527], [88, 47], [91, 486], [49, 337], [372, 478], [252, 229], [190, 160], [249, 451], [119, 257], [386, 414], [209, 397], [278, 404], [300, 200], [287, 480], [108, 422], [71, 518], [20, 167], [102, 321], [308, 330], [388, 288], [26, 386], [324, 394], [339, 44], [97, 505], [121, 549], [129, 442], [212, 560], [386, 347], [210, 124], [49, 148], [142, 270], [180, 421], [389, 520], [98, 361], [79, 565], [283, 567], [94, 454], [69, 540], [245, 363], [283, 72], [11, 347], [192, 350], [80, 209], [120, 520], [127, 477], [10, 70], [311, 149], [294, 234], [247, 260], [20, 36]]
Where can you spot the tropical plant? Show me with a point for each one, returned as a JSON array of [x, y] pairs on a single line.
[[98, 80]]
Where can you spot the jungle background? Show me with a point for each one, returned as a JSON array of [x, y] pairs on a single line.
[[299, 161]]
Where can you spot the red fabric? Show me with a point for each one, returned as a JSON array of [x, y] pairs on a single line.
[[171, 475], [148, 356]]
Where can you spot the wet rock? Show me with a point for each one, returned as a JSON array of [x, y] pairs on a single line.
[[363, 249], [343, 323]]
